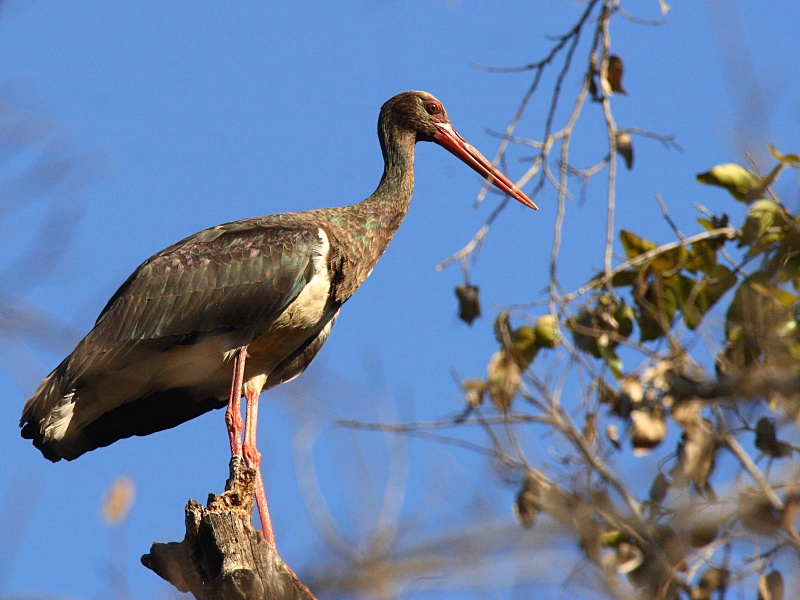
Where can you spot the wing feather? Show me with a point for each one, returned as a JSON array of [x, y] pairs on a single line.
[[239, 276], [208, 283]]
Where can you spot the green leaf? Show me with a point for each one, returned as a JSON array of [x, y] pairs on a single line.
[[783, 297], [623, 278], [734, 178], [649, 327], [702, 257], [662, 298], [669, 260], [547, 335], [709, 290], [633, 244], [760, 217], [612, 360], [524, 344], [766, 242], [706, 224], [759, 190], [624, 316], [718, 281]]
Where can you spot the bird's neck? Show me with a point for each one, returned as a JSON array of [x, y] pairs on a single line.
[[385, 209], [371, 224]]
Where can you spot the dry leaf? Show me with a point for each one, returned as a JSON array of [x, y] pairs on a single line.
[[648, 429], [770, 586], [526, 506], [613, 436], [712, 580], [696, 455], [118, 500], [503, 377]]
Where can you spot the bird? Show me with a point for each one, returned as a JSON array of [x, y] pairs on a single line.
[[234, 310]]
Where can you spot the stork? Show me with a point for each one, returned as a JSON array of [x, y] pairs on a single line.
[[234, 310]]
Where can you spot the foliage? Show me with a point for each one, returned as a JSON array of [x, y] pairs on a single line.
[[616, 364]]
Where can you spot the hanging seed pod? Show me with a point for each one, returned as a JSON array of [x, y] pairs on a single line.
[[590, 428], [770, 586], [547, 332], [474, 391], [613, 436], [503, 377], [526, 506], [469, 303], [756, 513], [648, 429], [702, 531], [696, 455], [767, 440], [659, 489], [712, 580], [625, 148], [612, 83]]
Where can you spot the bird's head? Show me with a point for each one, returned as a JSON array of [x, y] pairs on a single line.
[[422, 114]]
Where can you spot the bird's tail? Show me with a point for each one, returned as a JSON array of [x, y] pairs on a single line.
[[47, 415]]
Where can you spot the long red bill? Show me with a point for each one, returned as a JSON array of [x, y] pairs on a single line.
[[448, 138]]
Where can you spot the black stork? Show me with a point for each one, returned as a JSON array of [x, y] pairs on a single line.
[[234, 309]]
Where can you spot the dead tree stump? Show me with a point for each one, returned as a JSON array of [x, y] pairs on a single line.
[[222, 557]]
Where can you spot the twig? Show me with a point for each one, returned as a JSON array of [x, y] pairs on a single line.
[[668, 219], [723, 232], [733, 444]]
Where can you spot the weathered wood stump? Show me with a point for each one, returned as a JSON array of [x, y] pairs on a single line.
[[222, 557]]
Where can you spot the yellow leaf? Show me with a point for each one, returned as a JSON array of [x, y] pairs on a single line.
[[784, 158], [734, 178], [633, 244], [759, 190], [783, 297]]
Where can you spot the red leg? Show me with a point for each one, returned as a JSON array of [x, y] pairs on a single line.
[[233, 415], [253, 459]]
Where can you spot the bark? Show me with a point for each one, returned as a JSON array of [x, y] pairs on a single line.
[[222, 557]]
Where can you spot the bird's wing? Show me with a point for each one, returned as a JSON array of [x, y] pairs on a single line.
[[236, 276]]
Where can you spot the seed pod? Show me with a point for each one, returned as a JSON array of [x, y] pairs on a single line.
[[702, 532], [469, 303], [590, 428], [613, 436], [767, 440], [503, 377], [648, 429], [547, 332], [756, 513], [625, 148], [770, 586], [474, 390], [659, 489], [613, 80], [526, 505], [711, 581]]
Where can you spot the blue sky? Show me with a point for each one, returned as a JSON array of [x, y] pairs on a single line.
[[189, 114]]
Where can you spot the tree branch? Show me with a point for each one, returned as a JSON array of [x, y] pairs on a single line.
[[222, 557]]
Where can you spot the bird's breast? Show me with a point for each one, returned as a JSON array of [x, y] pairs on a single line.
[[302, 317]]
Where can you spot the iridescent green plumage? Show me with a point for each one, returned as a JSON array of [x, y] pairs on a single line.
[[160, 351]]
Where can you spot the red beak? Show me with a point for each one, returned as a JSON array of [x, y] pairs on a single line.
[[448, 138]]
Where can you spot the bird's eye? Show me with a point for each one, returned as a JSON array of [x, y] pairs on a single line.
[[433, 108]]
